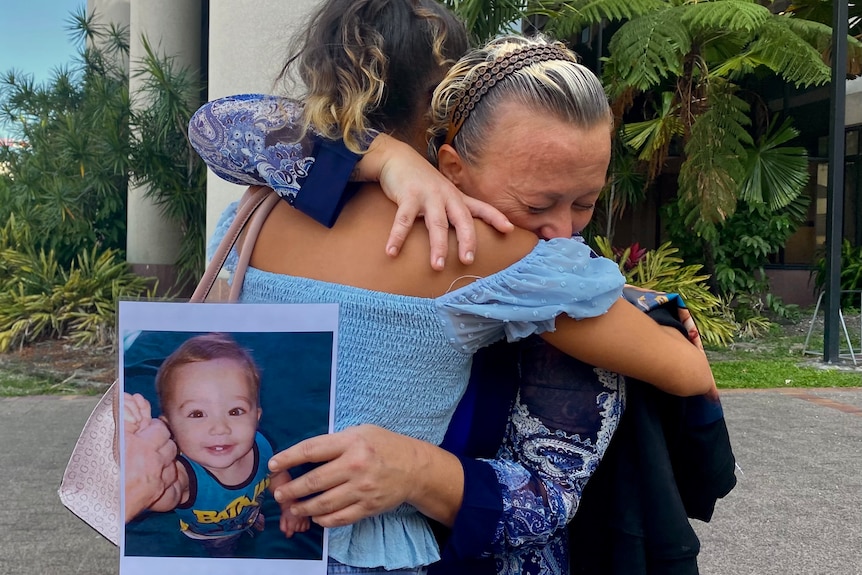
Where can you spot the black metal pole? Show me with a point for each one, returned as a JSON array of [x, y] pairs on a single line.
[[835, 183]]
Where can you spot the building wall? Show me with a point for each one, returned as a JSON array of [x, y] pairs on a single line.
[[248, 43], [853, 107], [173, 28], [116, 11]]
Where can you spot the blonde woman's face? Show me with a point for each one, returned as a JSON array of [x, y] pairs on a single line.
[[542, 173]]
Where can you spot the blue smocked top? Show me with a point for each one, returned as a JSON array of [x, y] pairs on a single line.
[[404, 362]]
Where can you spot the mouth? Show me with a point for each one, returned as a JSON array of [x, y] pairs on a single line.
[[219, 449]]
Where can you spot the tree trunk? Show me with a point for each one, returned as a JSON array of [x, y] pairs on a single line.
[[709, 266]]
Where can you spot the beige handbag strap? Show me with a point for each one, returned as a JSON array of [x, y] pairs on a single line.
[[255, 207], [91, 481]]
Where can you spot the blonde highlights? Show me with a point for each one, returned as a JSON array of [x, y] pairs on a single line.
[[365, 65]]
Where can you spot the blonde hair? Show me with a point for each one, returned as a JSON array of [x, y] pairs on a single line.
[[366, 65], [557, 86]]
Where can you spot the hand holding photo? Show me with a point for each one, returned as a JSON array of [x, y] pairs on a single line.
[[209, 394]]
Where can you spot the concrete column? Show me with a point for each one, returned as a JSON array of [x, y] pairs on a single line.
[[247, 48], [116, 11], [173, 28], [111, 11]]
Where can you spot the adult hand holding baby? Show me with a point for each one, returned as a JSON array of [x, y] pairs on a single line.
[[150, 456]]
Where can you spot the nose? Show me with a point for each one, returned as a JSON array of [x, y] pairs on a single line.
[[219, 426], [560, 224]]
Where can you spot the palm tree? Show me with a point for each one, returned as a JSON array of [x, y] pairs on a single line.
[[85, 143], [69, 181]]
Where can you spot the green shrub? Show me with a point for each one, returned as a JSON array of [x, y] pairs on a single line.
[[851, 273], [40, 300], [662, 270], [85, 144]]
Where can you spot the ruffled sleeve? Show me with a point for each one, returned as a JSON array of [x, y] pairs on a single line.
[[559, 276]]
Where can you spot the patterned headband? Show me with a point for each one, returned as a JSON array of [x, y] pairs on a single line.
[[487, 76]]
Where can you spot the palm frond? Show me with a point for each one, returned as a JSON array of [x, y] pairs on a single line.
[[486, 19], [728, 16], [650, 49], [626, 186], [781, 49], [567, 18], [652, 138], [776, 174], [819, 35], [820, 11], [715, 155]]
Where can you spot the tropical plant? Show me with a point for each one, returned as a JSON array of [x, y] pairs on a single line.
[[163, 159], [40, 298], [678, 73], [821, 11], [662, 270], [85, 143], [850, 277], [69, 181], [697, 56], [487, 18], [745, 242]]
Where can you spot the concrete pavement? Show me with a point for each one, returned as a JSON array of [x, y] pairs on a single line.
[[797, 509]]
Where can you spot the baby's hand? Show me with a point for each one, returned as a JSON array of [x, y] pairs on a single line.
[[137, 413], [290, 523]]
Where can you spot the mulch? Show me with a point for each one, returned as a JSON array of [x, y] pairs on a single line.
[[79, 366]]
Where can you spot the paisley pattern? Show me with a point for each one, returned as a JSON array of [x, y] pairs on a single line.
[[254, 139], [543, 465], [566, 411]]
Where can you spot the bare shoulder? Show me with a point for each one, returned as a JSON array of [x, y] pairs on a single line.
[[496, 251], [352, 252]]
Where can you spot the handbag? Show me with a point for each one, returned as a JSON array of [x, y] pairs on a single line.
[[90, 487]]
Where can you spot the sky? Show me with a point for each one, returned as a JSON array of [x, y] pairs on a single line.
[[33, 35]]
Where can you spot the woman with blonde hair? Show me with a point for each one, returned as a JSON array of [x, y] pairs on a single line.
[[541, 107]]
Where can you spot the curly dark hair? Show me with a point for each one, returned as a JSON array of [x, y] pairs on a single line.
[[371, 64]]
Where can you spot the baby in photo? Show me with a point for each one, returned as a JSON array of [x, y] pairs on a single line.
[[208, 392]]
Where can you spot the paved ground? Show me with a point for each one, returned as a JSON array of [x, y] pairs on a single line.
[[796, 511]]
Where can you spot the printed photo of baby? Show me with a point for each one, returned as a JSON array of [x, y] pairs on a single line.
[[209, 396], [202, 413]]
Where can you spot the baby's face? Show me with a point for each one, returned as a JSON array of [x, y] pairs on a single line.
[[212, 412]]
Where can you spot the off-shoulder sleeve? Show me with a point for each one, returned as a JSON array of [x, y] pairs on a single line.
[[558, 276]]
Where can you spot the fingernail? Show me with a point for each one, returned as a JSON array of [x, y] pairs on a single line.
[[469, 257], [441, 262], [278, 496], [271, 464], [392, 251]]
